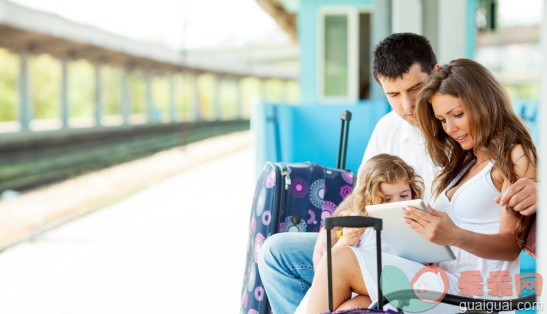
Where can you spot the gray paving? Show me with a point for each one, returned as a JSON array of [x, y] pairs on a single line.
[[177, 246]]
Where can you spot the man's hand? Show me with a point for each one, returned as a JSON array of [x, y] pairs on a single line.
[[521, 196], [321, 246]]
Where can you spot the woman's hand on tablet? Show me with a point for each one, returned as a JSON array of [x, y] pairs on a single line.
[[435, 226]]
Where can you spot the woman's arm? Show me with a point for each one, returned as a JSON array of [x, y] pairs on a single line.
[[500, 246], [437, 227]]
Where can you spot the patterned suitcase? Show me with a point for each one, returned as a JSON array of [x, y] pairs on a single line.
[[291, 197]]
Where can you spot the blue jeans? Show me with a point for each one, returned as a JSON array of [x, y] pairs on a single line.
[[285, 264]]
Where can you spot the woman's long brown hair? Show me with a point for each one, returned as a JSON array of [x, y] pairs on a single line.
[[494, 126]]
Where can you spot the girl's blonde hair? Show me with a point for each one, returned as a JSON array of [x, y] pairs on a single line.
[[383, 168]]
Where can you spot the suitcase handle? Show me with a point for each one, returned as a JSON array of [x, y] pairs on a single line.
[[345, 116], [354, 222]]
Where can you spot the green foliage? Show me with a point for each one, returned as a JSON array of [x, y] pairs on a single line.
[[275, 90], [161, 96], [229, 89], [45, 85], [45, 88], [137, 92], [293, 92], [112, 89], [250, 90], [206, 87], [184, 94], [9, 63], [524, 91], [81, 88]]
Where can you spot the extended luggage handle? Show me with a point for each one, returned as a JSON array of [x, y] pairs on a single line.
[[345, 116], [354, 222]]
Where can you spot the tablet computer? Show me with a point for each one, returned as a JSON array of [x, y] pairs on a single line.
[[402, 239]]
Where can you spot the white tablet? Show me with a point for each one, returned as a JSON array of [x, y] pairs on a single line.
[[402, 239]]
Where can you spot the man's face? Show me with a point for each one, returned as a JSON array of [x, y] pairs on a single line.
[[402, 92]]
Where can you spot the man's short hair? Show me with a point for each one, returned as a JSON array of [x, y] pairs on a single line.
[[394, 55]]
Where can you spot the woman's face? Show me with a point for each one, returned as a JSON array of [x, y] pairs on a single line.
[[454, 119], [396, 191]]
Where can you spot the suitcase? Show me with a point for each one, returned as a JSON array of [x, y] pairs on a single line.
[[291, 197]]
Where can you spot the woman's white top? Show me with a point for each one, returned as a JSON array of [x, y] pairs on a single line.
[[473, 208]]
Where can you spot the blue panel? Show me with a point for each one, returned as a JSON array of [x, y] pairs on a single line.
[[307, 41], [297, 133], [312, 132], [527, 265], [470, 28], [527, 109]]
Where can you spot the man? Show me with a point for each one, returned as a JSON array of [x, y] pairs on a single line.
[[401, 64]]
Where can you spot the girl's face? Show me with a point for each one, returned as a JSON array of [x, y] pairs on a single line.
[[396, 191], [454, 119]]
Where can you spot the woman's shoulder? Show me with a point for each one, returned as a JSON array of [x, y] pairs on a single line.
[[517, 154], [521, 165]]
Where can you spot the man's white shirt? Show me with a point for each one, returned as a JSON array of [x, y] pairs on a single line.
[[393, 135]]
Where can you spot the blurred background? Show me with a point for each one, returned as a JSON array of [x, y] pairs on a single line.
[[132, 132]]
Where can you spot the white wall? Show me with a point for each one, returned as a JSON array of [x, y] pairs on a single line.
[[407, 16], [452, 30]]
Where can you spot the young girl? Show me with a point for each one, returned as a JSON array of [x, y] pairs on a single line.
[[384, 179]]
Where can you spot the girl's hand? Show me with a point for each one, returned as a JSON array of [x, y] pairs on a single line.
[[435, 226], [350, 236]]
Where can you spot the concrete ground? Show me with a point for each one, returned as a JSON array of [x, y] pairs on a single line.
[[176, 246]]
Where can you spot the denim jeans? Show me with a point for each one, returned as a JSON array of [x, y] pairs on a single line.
[[285, 264]]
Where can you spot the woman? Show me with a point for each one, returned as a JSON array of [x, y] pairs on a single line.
[[482, 147]]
